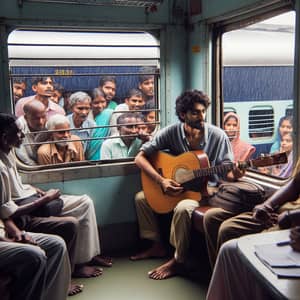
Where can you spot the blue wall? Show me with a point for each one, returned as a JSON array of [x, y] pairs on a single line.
[[84, 83]]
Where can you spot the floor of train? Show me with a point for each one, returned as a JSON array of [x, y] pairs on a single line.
[[128, 280]]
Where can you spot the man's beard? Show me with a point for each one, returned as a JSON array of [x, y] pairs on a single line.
[[195, 124], [61, 143]]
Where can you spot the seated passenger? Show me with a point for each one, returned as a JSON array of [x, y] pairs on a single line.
[[126, 144], [286, 145], [80, 103], [233, 279], [108, 86], [133, 101], [285, 125], [86, 250], [101, 115], [62, 150], [38, 263], [43, 88], [32, 123], [191, 133], [221, 225], [242, 151]]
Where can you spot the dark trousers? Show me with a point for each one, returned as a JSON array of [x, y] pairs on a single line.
[[65, 227]]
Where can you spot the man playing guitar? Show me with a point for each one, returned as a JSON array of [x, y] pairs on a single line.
[[191, 133]]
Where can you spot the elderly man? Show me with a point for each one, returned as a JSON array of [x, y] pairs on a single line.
[[43, 88], [32, 123], [80, 103], [62, 150]]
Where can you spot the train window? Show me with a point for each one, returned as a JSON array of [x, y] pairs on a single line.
[[257, 84], [261, 122], [105, 83], [289, 110]]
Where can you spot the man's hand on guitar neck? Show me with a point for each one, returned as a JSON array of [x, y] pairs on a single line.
[[171, 187], [236, 173]]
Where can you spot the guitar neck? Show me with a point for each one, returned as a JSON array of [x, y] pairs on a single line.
[[220, 169]]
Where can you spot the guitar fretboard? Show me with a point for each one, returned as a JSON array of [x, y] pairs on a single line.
[[220, 169]]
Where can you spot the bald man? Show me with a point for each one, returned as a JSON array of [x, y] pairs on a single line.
[[31, 123]]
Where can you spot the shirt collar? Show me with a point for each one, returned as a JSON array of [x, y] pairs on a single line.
[[71, 148]]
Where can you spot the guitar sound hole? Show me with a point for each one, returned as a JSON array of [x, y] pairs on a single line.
[[193, 185]]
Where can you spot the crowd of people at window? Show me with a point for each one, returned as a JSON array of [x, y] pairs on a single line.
[[83, 125]]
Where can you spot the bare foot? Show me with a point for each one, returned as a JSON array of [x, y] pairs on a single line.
[[75, 289], [155, 251], [167, 270], [84, 271], [99, 260]]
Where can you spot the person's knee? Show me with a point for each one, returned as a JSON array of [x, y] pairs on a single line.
[[35, 258], [58, 243], [140, 200], [226, 232], [184, 208], [87, 201], [211, 217], [208, 218], [71, 226], [139, 197]]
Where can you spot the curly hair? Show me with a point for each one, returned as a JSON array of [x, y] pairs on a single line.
[[185, 102], [7, 122]]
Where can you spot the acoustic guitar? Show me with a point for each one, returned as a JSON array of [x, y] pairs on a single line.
[[191, 170]]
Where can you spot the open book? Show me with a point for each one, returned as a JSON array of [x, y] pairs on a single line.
[[281, 260]]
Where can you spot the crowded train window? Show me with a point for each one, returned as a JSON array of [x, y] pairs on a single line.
[[83, 96], [257, 74]]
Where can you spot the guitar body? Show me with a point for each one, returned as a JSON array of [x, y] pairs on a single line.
[[179, 168]]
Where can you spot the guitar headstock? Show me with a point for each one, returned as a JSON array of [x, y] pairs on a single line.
[[269, 160]]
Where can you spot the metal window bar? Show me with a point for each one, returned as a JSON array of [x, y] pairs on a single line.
[[85, 139]]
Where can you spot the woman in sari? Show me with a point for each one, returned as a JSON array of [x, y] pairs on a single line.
[[241, 150]]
